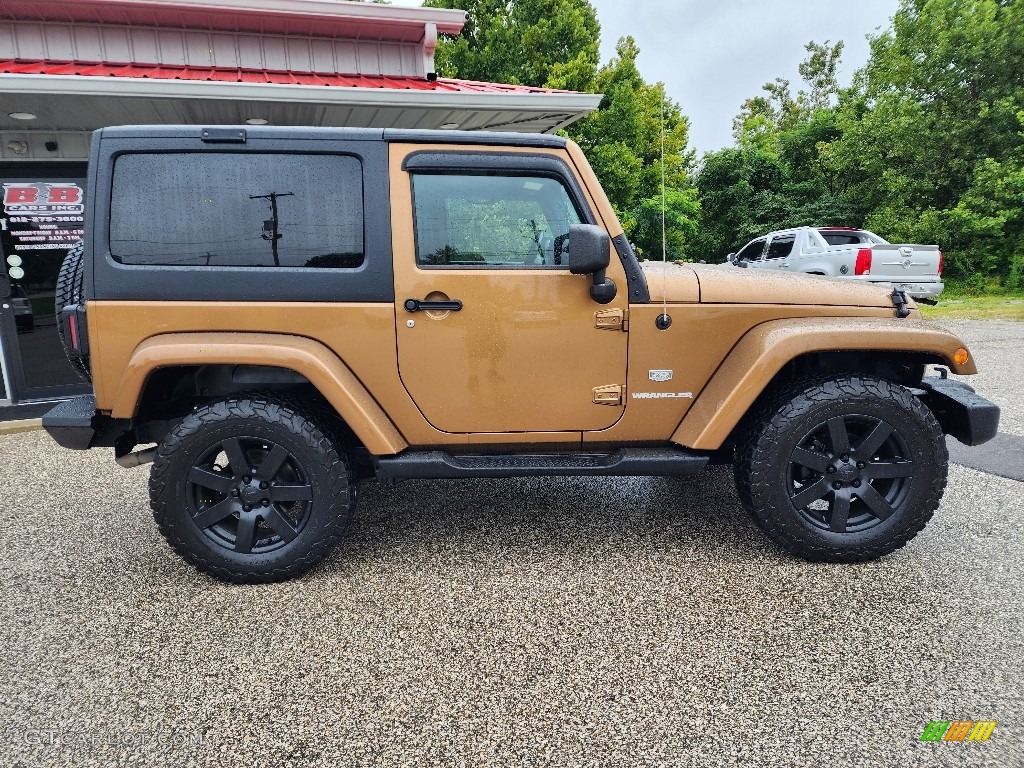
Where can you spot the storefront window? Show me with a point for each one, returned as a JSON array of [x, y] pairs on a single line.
[[42, 217]]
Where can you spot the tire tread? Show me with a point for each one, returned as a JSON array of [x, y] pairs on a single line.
[[760, 439], [342, 485]]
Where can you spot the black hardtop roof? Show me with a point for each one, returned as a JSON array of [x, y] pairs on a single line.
[[351, 134]]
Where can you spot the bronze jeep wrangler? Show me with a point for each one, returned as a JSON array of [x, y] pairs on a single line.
[[286, 311]]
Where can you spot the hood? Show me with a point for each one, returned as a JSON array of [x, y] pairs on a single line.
[[726, 284], [677, 281]]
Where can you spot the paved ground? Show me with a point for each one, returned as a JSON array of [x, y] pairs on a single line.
[[998, 348], [566, 622]]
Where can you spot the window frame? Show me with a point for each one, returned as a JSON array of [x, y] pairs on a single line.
[[504, 164], [372, 282]]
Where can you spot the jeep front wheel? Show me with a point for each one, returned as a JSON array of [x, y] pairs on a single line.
[[842, 470], [250, 490]]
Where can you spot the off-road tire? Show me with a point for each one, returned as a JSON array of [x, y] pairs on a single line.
[[68, 293], [179, 503], [766, 468]]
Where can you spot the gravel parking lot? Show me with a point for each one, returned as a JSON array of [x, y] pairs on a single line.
[[635, 622]]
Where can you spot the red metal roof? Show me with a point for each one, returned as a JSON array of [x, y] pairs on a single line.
[[164, 72]]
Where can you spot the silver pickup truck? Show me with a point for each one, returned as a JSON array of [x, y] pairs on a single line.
[[854, 254]]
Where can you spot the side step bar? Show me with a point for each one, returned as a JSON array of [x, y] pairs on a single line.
[[431, 465]]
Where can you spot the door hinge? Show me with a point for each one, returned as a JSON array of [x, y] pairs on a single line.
[[612, 320], [610, 394]]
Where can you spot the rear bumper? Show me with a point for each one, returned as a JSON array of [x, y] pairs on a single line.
[[961, 412], [920, 290], [76, 424]]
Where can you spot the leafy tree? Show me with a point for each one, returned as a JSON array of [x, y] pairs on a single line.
[[783, 172], [818, 70], [763, 118], [541, 43], [554, 43], [932, 143], [623, 139], [682, 213]]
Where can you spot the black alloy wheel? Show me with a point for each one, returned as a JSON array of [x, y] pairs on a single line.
[[849, 474], [249, 495], [841, 468], [252, 489]]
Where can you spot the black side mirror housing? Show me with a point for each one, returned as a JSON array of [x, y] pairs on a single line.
[[589, 254]]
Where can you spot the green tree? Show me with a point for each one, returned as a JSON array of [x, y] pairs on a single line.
[[623, 139], [783, 172], [763, 118], [541, 43], [932, 137], [554, 43], [682, 214]]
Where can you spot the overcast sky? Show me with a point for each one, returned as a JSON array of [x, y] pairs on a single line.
[[712, 56]]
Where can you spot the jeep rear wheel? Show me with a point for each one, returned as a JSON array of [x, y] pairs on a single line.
[[842, 470], [250, 490]]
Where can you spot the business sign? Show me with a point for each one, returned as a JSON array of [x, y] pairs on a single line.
[[41, 215]]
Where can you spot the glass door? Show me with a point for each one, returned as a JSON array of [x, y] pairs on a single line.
[[42, 217]]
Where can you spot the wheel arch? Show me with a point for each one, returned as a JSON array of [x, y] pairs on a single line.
[[236, 362], [778, 349]]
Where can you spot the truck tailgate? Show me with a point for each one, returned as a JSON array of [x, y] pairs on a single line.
[[905, 262]]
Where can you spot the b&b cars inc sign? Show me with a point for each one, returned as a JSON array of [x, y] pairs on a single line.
[[42, 215]]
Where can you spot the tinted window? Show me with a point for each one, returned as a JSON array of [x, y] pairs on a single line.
[[834, 237], [237, 210], [751, 251], [780, 247], [469, 220]]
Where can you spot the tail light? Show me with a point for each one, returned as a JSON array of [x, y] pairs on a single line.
[[941, 263], [75, 331], [863, 265]]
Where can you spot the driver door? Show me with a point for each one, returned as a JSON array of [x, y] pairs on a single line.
[[513, 345]]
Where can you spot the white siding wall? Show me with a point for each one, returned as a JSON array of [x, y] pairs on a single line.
[[178, 47]]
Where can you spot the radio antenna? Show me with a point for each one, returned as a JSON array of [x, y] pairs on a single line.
[[664, 321]]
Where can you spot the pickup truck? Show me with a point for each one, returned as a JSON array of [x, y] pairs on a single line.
[[270, 316], [848, 253]]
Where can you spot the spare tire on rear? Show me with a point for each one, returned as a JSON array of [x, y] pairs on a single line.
[[68, 293]]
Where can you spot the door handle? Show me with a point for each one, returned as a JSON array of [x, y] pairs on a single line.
[[415, 305]]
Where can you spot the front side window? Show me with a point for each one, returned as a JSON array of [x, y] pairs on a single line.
[[475, 220], [237, 210], [751, 251]]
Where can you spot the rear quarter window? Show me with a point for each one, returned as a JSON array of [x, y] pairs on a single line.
[[237, 210], [833, 237]]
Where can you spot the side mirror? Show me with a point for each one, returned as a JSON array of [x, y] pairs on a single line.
[[589, 248], [731, 257]]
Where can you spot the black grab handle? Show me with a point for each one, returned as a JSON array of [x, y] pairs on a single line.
[[415, 305]]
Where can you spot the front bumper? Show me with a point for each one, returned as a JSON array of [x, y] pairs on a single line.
[[962, 413], [76, 424]]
